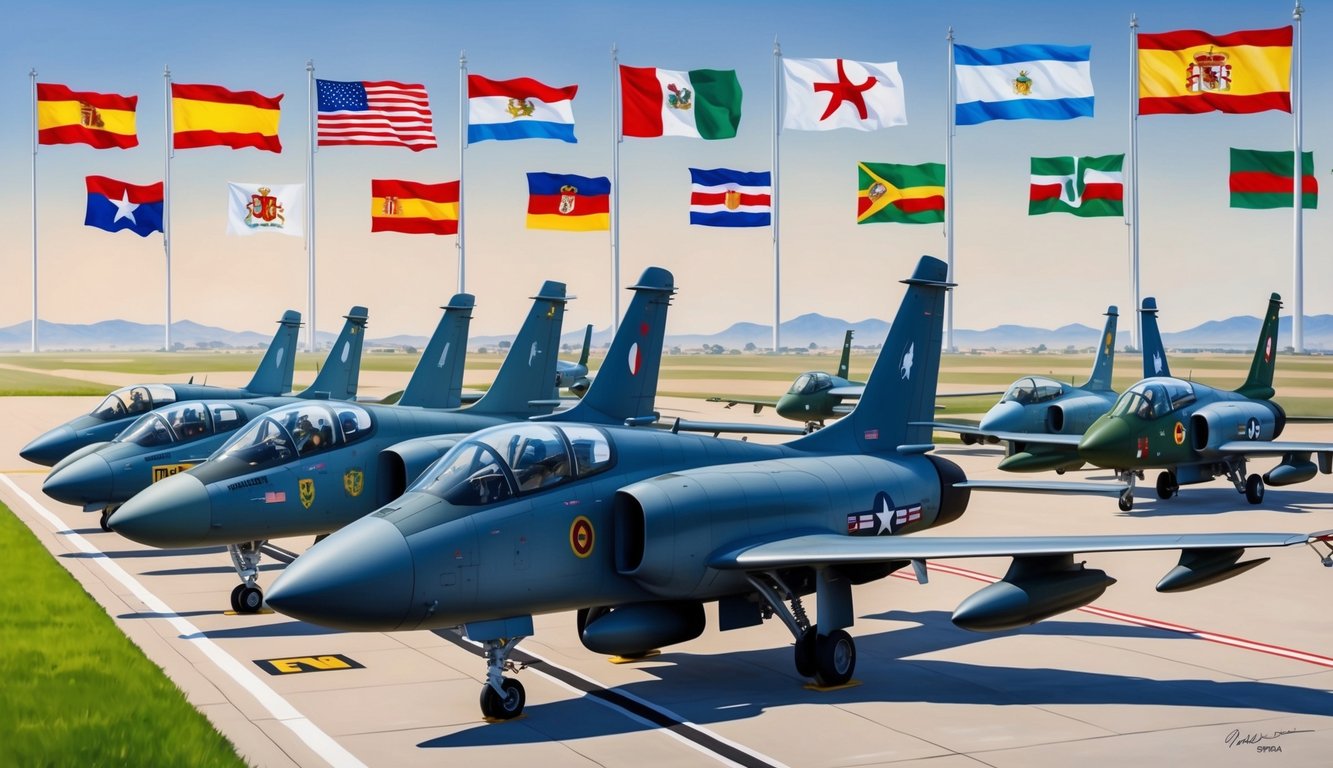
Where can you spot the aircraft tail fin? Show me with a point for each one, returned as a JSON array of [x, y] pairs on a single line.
[[1154, 354], [1100, 380], [437, 381], [587, 345], [899, 397], [1259, 384], [274, 374], [626, 384], [525, 383], [844, 365], [341, 373]]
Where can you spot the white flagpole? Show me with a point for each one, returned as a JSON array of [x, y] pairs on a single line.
[[166, 201], [462, 145], [948, 194], [1298, 234], [1132, 212], [32, 76], [312, 148], [777, 243], [616, 130]]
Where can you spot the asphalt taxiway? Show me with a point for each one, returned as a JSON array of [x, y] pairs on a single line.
[[1237, 674]]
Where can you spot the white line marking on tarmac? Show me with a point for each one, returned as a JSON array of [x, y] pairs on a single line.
[[318, 741]]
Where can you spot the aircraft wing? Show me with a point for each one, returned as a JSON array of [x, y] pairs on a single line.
[[1272, 447], [831, 549], [718, 427], [970, 394], [758, 405], [1031, 438], [849, 391], [1028, 486]]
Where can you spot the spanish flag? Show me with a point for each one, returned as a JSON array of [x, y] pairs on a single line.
[[102, 120], [1188, 72], [569, 202], [212, 116], [413, 208]]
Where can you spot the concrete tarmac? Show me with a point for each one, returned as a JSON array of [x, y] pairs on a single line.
[[1236, 674]]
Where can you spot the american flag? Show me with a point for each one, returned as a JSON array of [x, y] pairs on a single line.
[[383, 113]]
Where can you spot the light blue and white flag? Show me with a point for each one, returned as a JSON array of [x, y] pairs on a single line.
[[1037, 82]]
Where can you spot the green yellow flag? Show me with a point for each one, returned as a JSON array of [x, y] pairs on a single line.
[[906, 194]]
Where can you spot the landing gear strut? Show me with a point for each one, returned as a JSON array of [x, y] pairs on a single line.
[[1252, 486], [246, 597], [107, 512], [1129, 477], [829, 658], [502, 698]]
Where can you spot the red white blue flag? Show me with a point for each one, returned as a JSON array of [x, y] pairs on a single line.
[[521, 108], [721, 197]]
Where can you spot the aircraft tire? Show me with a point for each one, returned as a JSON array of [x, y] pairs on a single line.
[[1254, 489], [835, 658], [236, 598], [1126, 500], [106, 517], [507, 707], [806, 664], [1167, 485], [968, 439], [249, 599]]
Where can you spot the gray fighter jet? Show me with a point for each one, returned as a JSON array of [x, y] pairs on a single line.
[[638, 528]]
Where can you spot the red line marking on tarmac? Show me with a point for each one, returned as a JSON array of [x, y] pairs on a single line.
[[1144, 621]]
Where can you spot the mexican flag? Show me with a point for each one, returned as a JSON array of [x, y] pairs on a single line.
[[1264, 179], [905, 194], [700, 103], [1083, 186]]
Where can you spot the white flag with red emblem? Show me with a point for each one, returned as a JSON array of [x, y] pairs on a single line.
[[255, 208], [823, 94]]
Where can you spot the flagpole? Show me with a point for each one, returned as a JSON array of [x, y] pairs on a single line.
[[616, 131], [311, 100], [1132, 212], [166, 200], [948, 195], [462, 145], [1298, 234], [32, 77], [777, 245]]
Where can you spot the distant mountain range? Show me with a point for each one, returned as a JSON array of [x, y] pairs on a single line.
[[1233, 334]]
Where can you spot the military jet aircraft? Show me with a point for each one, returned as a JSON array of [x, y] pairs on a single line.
[[272, 377], [266, 482], [574, 376], [172, 439], [637, 529]]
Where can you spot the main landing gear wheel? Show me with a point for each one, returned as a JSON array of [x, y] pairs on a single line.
[[806, 662], [1167, 485], [968, 439], [835, 658], [1127, 500], [106, 515], [506, 707], [246, 599], [1254, 489]]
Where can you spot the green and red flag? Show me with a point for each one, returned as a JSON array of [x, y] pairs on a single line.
[[1264, 179], [906, 194], [1082, 186]]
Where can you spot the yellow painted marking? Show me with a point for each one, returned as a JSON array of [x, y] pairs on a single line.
[[632, 659], [815, 687]]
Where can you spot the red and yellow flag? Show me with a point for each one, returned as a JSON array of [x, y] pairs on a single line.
[[212, 116], [102, 120], [1188, 72], [413, 208]]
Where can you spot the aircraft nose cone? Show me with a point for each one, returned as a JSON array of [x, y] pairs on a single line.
[[51, 447], [360, 578], [1107, 443], [1003, 417], [85, 480], [174, 512], [789, 407]]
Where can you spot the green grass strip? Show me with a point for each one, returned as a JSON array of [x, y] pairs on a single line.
[[29, 383], [76, 691]]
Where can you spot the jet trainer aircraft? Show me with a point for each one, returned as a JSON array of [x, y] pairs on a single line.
[[638, 528], [815, 395], [175, 438], [272, 377], [574, 376]]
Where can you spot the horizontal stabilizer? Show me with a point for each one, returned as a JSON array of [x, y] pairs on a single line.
[[1054, 487], [720, 427]]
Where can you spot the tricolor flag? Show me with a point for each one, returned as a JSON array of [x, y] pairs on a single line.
[[1083, 186], [1039, 82], [101, 120], [568, 202], [823, 94], [114, 205], [1264, 179], [212, 116], [381, 113], [413, 208], [1188, 71], [721, 197], [700, 103], [906, 194], [255, 208], [521, 108]]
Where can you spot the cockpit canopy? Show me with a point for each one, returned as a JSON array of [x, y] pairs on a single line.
[[501, 462], [182, 423], [1153, 398], [1034, 389], [128, 401], [810, 383], [297, 430]]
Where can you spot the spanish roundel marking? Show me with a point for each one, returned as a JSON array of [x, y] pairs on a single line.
[[635, 357], [581, 536], [1180, 433]]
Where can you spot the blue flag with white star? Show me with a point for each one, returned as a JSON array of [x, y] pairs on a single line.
[[115, 205]]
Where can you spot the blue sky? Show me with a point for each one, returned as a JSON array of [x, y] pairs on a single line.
[[1201, 259]]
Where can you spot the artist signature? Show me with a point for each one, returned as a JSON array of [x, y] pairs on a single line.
[[1237, 739]]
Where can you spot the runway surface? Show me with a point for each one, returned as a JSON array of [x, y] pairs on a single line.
[[1237, 674]]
